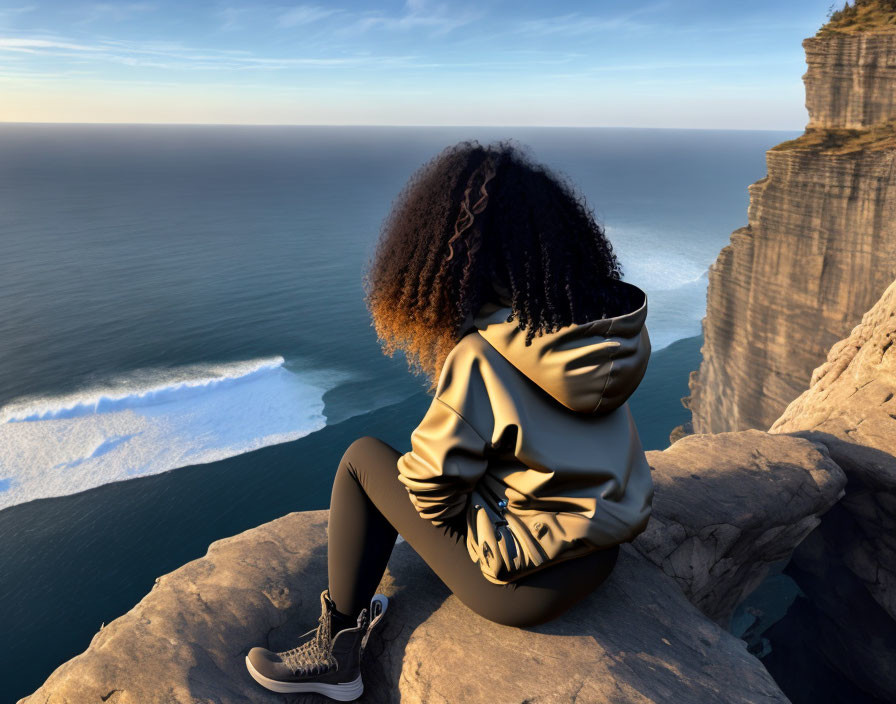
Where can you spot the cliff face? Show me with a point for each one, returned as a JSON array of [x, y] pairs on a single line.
[[847, 567], [818, 250], [850, 79]]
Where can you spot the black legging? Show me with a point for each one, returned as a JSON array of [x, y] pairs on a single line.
[[369, 507]]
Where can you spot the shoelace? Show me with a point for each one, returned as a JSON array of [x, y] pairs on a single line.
[[315, 656]]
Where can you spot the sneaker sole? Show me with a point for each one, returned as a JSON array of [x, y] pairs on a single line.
[[343, 692]]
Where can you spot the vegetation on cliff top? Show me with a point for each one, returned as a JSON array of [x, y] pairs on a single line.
[[844, 141], [862, 16]]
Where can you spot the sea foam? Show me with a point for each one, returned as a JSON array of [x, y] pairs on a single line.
[[151, 421], [671, 275], [676, 313]]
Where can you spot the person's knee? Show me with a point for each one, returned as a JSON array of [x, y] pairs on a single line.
[[360, 453], [363, 442], [358, 447]]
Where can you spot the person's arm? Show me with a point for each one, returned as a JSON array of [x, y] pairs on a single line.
[[446, 461]]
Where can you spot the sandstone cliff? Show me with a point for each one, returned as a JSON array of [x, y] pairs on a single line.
[[726, 507], [850, 79], [847, 567], [819, 247]]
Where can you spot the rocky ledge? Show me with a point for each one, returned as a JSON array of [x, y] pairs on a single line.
[[847, 567], [726, 507]]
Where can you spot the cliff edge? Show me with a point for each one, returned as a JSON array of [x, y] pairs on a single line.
[[820, 244], [846, 568], [726, 508]]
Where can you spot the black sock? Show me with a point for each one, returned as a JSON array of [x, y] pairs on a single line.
[[341, 621]]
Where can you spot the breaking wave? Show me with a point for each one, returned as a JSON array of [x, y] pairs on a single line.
[[139, 389], [151, 421]]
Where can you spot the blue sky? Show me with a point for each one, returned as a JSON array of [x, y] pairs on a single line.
[[663, 63]]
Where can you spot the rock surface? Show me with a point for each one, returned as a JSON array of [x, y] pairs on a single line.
[[848, 566], [851, 407], [818, 250], [730, 505], [851, 79], [635, 639]]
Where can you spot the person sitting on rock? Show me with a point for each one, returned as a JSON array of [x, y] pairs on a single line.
[[526, 473]]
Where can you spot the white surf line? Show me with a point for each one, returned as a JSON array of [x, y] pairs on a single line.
[[676, 313], [153, 421]]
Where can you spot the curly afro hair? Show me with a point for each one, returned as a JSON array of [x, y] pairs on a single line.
[[476, 215]]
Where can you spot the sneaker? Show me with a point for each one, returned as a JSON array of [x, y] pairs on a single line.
[[326, 664]]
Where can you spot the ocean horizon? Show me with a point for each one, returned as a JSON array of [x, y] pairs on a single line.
[[184, 348]]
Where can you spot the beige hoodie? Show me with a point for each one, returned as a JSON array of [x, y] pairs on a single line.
[[546, 428]]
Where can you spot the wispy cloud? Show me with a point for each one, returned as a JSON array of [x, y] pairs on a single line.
[[33, 46], [685, 71], [304, 14], [231, 17], [9, 14], [574, 24], [115, 12], [418, 15], [174, 56], [7, 75], [577, 24], [20, 10], [532, 58]]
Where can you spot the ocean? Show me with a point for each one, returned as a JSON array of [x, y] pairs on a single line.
[[185, 352]]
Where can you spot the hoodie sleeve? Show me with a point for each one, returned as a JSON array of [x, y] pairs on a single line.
[[445, 463]]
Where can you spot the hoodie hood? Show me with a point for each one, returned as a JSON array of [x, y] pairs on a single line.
[[590, 367]]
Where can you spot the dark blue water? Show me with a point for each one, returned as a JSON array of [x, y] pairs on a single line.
[[158, 281]]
